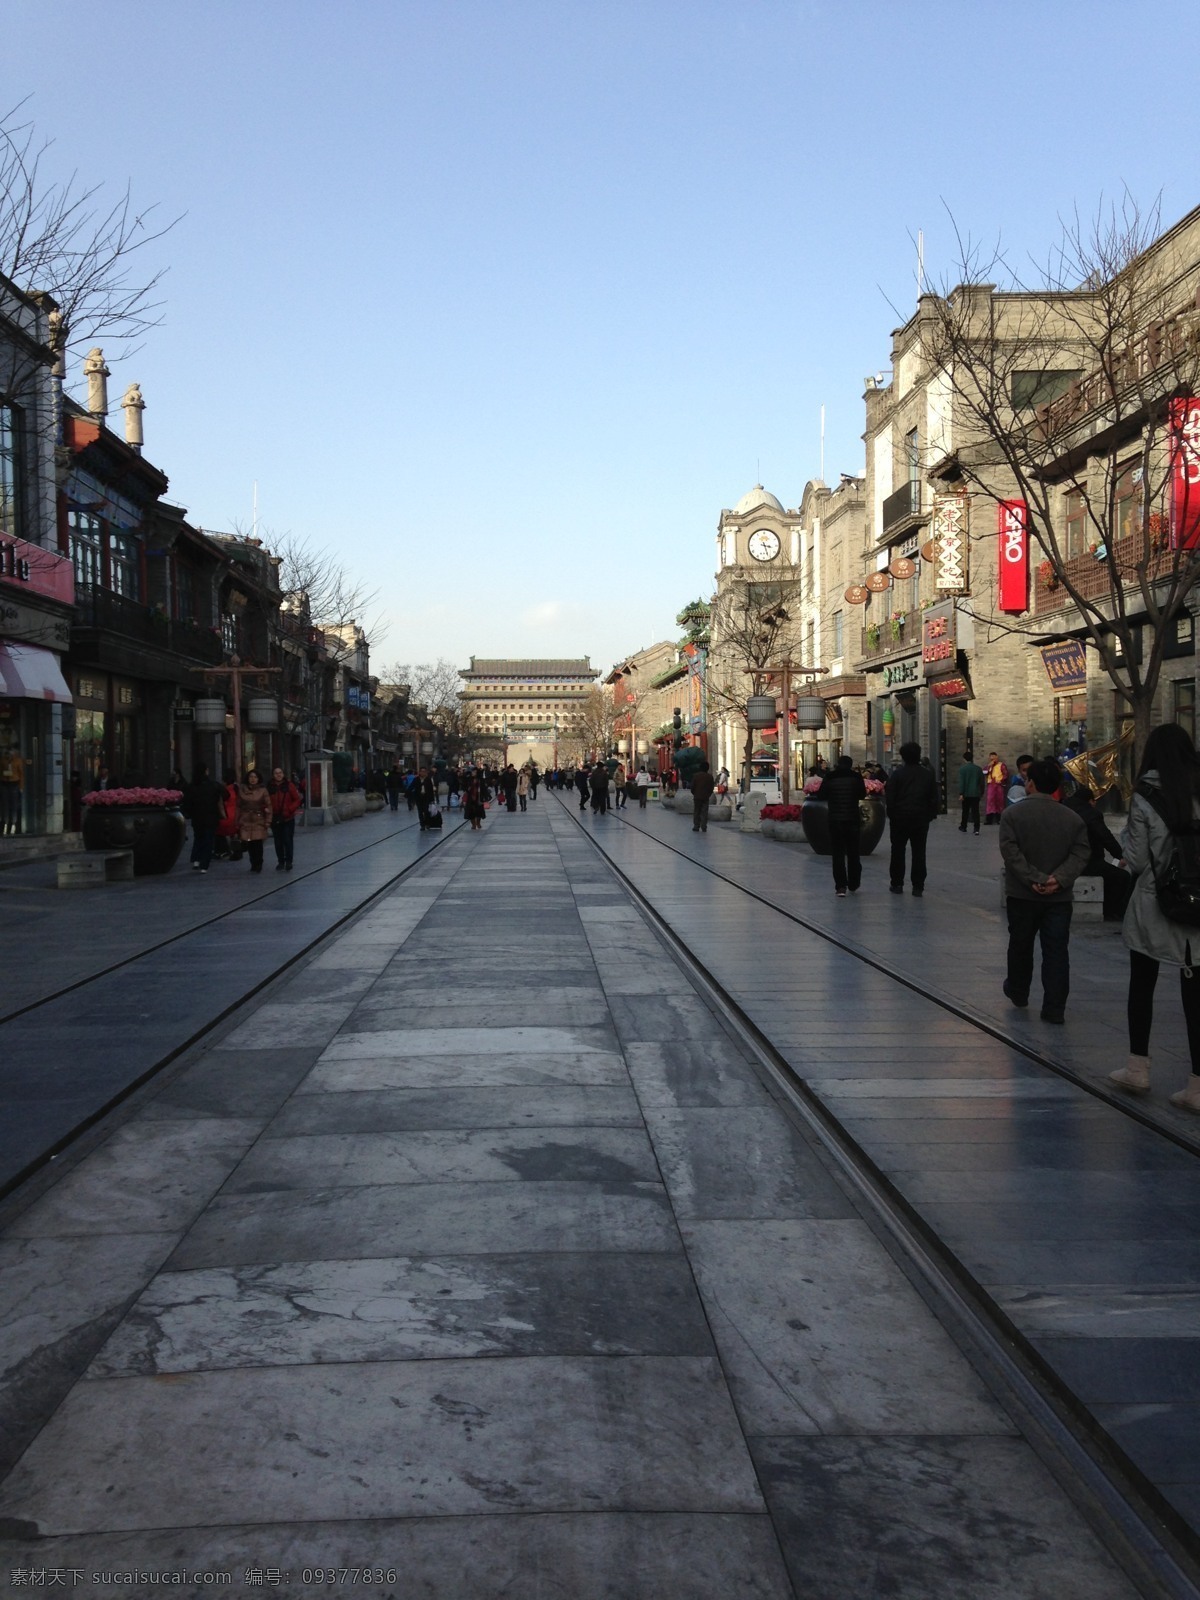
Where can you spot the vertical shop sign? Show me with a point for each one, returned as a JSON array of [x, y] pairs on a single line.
[[950, 543], [1184, 424], [1013, 544]]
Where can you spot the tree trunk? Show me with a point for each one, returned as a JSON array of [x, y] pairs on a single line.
[[747, 754], [1143, 722]]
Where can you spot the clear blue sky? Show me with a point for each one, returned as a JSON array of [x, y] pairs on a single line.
[[504, 301]]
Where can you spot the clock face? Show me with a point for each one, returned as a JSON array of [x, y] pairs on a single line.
[[763, 545]]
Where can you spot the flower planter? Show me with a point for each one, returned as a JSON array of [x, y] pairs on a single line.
[[815, 822], [155, 834], [784, 832]]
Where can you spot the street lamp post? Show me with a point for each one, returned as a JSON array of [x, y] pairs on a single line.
[[235, 671]]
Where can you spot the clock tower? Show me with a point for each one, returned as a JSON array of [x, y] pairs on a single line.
[[758, 536]]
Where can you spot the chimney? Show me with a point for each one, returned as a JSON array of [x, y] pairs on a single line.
[[133, 405], [97, 375]]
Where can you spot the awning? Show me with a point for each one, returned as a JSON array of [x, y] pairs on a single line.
[[28, 672]]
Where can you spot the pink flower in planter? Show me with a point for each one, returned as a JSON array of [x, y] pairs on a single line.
[[133, 797], [781, 813], [873, 785], [811, 785]]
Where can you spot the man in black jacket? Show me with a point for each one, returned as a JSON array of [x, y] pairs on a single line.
[[841, 790], [203, 801], [912, 804]]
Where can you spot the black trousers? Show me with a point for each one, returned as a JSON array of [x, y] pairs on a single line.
[[1143, 976], [700, 816], [843, 846], [970, 812], [1050, 922], [905, 834]]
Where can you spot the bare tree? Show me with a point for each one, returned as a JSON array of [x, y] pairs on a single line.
[[594, 731], [755, 628], [1073, 392], [61, 239], [437, 686]]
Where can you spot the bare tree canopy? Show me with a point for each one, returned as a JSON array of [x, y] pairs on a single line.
[[64, 240], [1073, 391], [315, 585]]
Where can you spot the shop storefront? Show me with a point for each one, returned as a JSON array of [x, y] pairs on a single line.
[[36, 594]]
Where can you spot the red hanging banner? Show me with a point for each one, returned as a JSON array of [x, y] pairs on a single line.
[[1013, 543], [1184, 423]]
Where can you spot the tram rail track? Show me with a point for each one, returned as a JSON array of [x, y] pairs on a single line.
[[11, 1183], [952, 1004], [1146, 1536]]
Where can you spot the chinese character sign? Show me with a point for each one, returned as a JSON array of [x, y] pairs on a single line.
[[1013, 544], [950, 543], [1184, 423], [939, 645], [1066, 666]]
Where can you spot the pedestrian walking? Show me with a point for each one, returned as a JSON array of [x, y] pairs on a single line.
[[286, 802], [996, 774], [911, 797], [1044, 847], [474, 808], [394, 786], [229, 846], [533, 781], [204, 806], [253, 817], [619, 795], [12, 784], [843, 790], [523, 788], [598, 783], [423, 795], [581, 783], [508, 779], [1166, 800], [642, 781], [703, 785], [970, 791]]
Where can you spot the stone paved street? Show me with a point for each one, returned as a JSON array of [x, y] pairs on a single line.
[[481, 1251]]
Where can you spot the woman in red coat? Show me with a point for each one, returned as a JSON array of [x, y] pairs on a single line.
[[286, 801]]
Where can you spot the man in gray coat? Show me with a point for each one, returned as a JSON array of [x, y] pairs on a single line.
[[1044, 847]]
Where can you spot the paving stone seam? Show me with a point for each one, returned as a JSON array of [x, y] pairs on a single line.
[[950, 1003], [1061, 1429], [11, 1186]]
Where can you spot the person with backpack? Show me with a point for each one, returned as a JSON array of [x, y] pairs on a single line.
[[1044, 847], [1162, 850]]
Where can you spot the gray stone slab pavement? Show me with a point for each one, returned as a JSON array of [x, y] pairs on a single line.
[[537, 1307], [1072, 1203], [157, 961]]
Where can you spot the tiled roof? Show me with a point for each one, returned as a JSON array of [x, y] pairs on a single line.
[[579, 668]]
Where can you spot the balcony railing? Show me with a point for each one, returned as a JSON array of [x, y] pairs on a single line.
[[116, 613], [904, 503], [891, 635]]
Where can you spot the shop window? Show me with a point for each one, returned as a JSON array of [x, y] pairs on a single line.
[[12, 429], [1039, 388], [1077, 524], [87, 547], [124, 576], [838, 634], [229, 633], [1127, 502], [185, 593], [1181, 636], [1183, 705]]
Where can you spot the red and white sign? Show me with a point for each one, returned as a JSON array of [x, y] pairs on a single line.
[[950, 543], [36, 571], [1184, 424], [1013, 541]]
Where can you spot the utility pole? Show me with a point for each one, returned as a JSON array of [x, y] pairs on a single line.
[[785, 671], [235, 672]]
